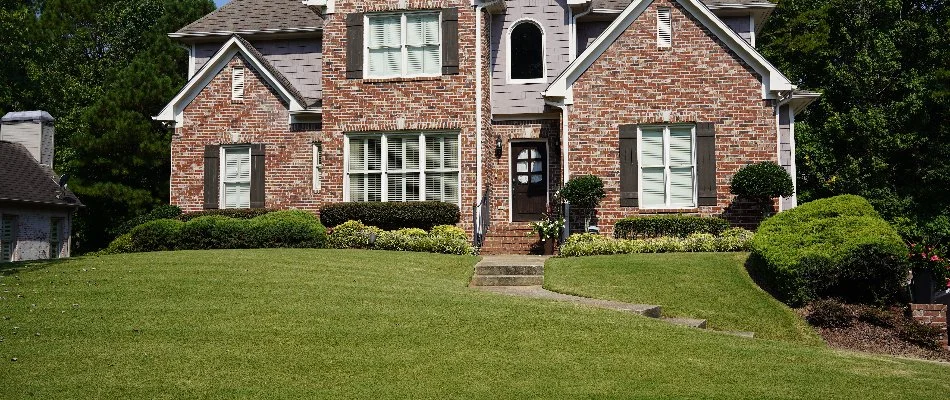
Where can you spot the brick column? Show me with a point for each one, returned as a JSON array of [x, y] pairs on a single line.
[[933, 315]]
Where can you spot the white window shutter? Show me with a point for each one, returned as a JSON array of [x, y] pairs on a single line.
[[237, 83], [664, 27], [317, 166]]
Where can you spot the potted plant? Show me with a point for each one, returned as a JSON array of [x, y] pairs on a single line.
[[930, 272], [548, 230], [584, 194], [762, 182]]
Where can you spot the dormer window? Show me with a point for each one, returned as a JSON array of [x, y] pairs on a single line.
[[664, 27], [526, 53]]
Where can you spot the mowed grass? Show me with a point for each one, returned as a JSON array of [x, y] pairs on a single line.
[[711, 286], [295, 324]]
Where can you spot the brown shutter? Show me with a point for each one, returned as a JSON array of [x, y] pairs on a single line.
[[354, 46], [257, 176], [706, 163], [212, 154], [450, 41], [629, 183]]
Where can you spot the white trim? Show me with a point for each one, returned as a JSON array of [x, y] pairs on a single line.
[[317, 148], [191, 61], [173, 111], [752, 30], [572, 37], [791, 141], [244, 32], [666, 168], [403, 46], [772, 79], [547, 172], [544, 54]]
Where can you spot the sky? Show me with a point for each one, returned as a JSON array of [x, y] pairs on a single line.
[[220, 3]]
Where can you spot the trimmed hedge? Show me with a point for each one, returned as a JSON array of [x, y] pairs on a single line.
[[291, 228], [677, 225], [237, 213], [444, 239], [163, 211], [392, 215], [589, 244], [836, 247]]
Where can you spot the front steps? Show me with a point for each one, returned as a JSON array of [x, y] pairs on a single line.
[[511, 238], [509, 271]]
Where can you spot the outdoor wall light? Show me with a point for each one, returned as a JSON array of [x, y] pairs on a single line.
[[498, 145]]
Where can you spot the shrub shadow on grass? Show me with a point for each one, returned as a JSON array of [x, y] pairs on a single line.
[[752, 266], [13, 268]]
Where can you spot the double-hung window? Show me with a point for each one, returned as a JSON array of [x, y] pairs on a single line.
[[403, 167], [667, 166], [236, 177], [7, 237], [405, 44]]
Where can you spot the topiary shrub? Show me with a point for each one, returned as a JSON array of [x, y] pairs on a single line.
[[392, 215], [157, 235], [668, 225], [837, 247], [584, 193], [828, 313], [764, 180]]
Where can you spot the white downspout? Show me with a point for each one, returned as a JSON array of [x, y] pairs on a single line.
[[572, 42], [479, 174]]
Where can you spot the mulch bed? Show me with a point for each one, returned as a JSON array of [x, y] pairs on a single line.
[[865, 337]]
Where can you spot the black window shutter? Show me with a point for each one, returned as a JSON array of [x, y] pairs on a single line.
[[629, 183], [450, 41], [354, 46], [257, 176], [212, 154], [706, 163]]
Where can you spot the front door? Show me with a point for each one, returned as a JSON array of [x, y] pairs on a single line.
[[529, 180]]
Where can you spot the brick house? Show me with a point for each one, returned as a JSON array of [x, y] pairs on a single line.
[[491, 105]]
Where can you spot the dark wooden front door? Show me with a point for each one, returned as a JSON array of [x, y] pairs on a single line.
[[529, 180]]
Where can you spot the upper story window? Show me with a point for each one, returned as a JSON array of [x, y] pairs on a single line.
[[526, 52], [664, 27], [403, 45], [667, 166]]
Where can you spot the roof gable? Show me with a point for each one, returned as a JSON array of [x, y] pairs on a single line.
[[234, 46], [255, 16], [772, 79]]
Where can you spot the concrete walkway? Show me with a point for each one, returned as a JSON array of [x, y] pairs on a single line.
[[522, 276]]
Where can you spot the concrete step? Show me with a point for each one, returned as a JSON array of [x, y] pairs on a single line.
[[507, 280], [537, 292], [489, 269], [690, 322]]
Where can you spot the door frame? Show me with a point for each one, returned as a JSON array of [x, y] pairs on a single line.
[[547, 172]]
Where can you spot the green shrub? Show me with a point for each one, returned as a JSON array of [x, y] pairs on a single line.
[[764, 180], [163, 211], [119, 245], [734, 239], [700, 242], [201, 233], [157, 235], [584, 192], [288, 228], [590, 244], [877, 316], [837, 247], [353, 235], [448, 231], [393, 215], [237, 213], [828, 313], [668, 225]]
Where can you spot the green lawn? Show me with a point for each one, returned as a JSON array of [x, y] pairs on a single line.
[[356, 324], [711, 286]]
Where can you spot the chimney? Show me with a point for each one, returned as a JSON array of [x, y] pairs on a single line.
[[34, 130]]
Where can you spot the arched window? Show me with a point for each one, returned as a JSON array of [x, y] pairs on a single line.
[[526, 51]]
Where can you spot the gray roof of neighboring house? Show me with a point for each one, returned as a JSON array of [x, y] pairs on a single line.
[[621, 4], [17, 116], [306, 102], [23, 179], [245, 16]]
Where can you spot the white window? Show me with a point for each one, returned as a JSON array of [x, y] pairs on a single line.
[[667, 166], [413, 167], [237, 83], [236, 179], [55, 237], [7, 237], [317, 166], [664, 27], [406, 44]]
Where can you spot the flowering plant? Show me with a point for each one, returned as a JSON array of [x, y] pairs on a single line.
[[547, 228], [931, 259]]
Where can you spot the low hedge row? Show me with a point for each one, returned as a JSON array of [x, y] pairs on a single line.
[[587, 244], [836, 247], [668, 225], [276, 229], [237, 213], [392, 215], [445, 239]]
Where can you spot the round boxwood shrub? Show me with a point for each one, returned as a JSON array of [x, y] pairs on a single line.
[[157, 235], [764, 180], [836, 247], [585, 191], [288, 228]]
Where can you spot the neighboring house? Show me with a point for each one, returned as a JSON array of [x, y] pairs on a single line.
[[491, 105], [35, 211]]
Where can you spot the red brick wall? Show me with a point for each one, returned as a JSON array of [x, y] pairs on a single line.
[[934, 315], [697, 80], [517, 131], [447, 102], [262, 117]]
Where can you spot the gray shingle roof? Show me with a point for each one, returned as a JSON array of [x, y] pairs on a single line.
[[23, 179], [306, 102], [621, 4], [256, 15], [16, 116]]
